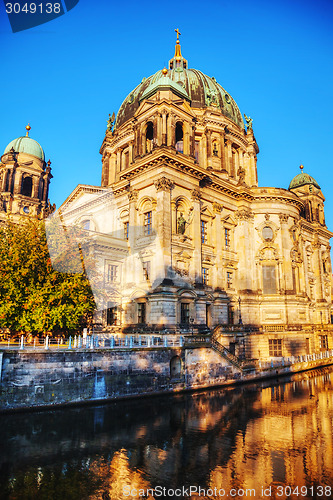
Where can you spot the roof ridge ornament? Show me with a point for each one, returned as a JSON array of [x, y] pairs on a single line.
[[28, 128]]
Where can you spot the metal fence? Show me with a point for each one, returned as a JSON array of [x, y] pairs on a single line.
[[287, 361], [96, 342]]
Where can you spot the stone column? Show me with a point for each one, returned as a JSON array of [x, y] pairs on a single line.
[[163, 220], [171, 130], [286, 249], [143, 139], [228, 157], [204, 151], [245, 241], [192, 142], [223, 155], [17, 184], [119, 160], [196, 263], [35, 186], [136, 129], [209, 148], [112, 168], [217, 242], [159, 133], [173, 217], [186, 139], [133, 223], [131, 152], [105, 169], [164, 128]]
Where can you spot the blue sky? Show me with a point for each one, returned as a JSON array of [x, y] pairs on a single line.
[[274, 58]]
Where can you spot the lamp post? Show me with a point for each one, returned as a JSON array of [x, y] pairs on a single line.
[[192, 321], [240, 322]]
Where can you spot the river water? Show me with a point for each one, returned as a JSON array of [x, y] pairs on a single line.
[[272, 440]]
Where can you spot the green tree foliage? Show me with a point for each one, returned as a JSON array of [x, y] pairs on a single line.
[[34, 297]]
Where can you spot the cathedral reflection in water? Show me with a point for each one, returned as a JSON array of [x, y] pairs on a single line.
[[247, 437]]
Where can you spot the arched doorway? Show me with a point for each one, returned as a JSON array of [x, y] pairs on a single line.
[[175, 367]]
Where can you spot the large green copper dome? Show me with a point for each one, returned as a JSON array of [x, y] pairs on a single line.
[[303, 179], [197, 88], [26, 145]]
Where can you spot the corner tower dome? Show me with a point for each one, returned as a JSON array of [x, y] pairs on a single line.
[[25, 144], [200, 90], [303, 179]]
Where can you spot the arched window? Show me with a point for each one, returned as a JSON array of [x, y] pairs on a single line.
[[85, 224], [27, 186], [179, 137], [149, 137]]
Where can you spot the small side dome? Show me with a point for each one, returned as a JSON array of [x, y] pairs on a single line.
[[303, 179], [25, 144]]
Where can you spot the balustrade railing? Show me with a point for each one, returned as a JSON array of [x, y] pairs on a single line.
[[97, 342]]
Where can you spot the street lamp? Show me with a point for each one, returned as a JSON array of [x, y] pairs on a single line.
[[240, 322], [192, 321]]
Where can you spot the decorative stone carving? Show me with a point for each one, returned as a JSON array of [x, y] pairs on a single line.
[[195, 194], [163, 184], [244, 214], [267, 217], [283, 218], [133, 195], [316, 243], [217, 207]]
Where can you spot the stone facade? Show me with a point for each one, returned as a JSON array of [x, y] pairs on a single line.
[[194, 239]]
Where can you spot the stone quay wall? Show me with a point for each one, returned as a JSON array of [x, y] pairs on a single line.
[[31, 378], [46, 378]]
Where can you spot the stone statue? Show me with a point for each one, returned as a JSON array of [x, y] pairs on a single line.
[[249, 121], [181, 224], [110, 122], [241, 175]]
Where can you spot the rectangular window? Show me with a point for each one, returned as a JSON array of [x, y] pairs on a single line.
[[141, 312], [227, 237], [203, 231], [184, 313], [126, 230], [111, 315], [323, 343], [229, 279], [112, 272], [307, 345], [205, 276], [269, 279], [146, 270], [275, 347], [148, 223]]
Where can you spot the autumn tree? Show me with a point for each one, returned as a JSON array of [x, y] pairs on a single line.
[[34, 297]]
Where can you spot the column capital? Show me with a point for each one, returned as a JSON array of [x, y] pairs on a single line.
[[195, 194], [283, 218], [163, 184], [217, 207], [133, 195]]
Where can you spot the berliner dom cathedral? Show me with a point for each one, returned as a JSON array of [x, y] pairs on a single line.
[[215, 250]]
